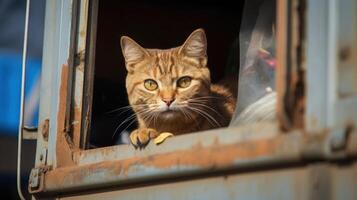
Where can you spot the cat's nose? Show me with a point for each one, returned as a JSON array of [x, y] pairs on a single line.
[[168, 101]]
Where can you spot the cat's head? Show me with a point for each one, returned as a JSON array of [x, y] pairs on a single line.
[[167, 83]]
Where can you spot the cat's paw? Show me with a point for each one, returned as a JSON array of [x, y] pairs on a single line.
[[141, 137]]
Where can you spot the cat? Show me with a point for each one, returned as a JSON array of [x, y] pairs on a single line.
[[170, 90]]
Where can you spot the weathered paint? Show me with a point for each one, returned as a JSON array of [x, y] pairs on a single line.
[[315, 181], [79, 67], [58, 38], [331, 66], [269, 184], [203, 153], [206, 139], [316, 63], [282, 60], [291, 63], [239, 155], [64, 144], [198, 159], [69, 139], [346, 51], [45, 129]]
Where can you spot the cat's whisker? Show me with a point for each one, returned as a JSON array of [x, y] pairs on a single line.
[[148, 117], [208, 120], [206, 97], [182, 111], [198, 101], [132, 121], [206, 115], [125, 109], [131, 117], [205, 106], [118, 109], [155, 116], [188, 115], [184, 105], [144, 113], [128, 119]]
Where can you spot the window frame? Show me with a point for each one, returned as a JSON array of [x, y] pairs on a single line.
[[64, 102]]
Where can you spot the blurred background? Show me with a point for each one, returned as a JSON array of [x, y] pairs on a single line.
[[12, 22]]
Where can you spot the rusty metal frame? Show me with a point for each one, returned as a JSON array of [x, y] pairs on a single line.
[[240, 148], [89, 72], [282, 59], [79, 73], [248, 147], [56, 52], [319, 181], [76, 85], [71, 64], [69, 132], [291, 67], [61, 82]]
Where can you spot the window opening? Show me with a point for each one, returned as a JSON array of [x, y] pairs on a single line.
[[162, 25]]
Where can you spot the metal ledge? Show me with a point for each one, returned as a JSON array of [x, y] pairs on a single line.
[[216, 150]]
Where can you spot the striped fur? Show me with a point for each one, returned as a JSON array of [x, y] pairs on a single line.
[[200, 106]]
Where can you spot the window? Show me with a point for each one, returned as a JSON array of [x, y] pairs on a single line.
[[155, 24], [87, 80]]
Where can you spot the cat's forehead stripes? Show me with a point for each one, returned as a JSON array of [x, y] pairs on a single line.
[[164, 61]]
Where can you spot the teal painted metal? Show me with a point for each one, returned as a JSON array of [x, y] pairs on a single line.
[[215, 156], [331, 58], [315, 182], [55, 55], [249, 173]]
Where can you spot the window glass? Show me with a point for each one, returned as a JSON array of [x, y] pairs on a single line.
[[256, 90]]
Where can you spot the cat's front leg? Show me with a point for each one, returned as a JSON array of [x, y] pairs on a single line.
[[141, 137]]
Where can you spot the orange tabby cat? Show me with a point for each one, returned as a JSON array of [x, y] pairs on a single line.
[[170, 90]]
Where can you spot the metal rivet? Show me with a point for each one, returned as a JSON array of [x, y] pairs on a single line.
[[344, 53]]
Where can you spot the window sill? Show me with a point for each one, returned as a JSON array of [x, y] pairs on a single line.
[[235, 148]]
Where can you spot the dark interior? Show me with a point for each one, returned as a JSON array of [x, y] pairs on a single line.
[[154, 24]]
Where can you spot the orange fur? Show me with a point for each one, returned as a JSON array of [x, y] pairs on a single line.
[[200, 106]]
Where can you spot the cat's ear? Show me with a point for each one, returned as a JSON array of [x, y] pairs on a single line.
[[132, 51], [195, 45]]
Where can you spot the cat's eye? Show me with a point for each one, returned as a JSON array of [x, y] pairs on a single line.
[[184, 82], [150, 84]]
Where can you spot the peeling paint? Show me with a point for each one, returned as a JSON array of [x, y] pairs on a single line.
[[197, 159], [64, 144]]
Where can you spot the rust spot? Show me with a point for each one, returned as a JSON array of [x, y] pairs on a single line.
[[82, 33], [63, 96], [76, 126], [45, 128], [352, 142], [290, 71], [209, 158], [64, 146], [344, 53]]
